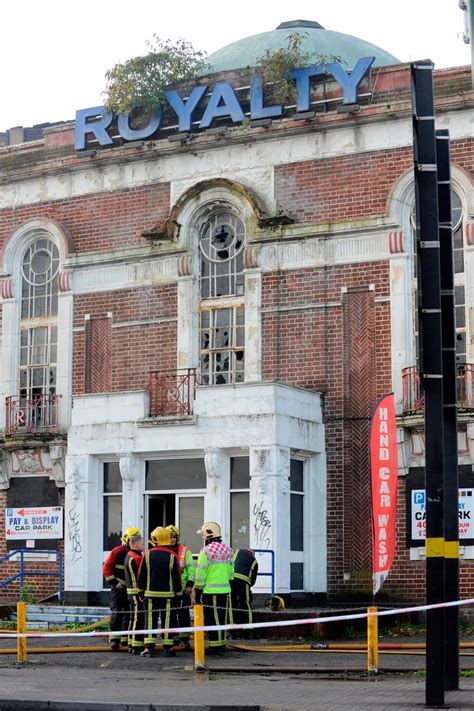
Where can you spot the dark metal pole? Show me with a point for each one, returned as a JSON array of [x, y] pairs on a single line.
[[451, 480], [429, 303]]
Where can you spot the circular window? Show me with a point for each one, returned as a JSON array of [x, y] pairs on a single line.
[[222, 237], [41, 262]]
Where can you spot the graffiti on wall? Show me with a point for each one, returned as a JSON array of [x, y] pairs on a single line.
[[74, 535]]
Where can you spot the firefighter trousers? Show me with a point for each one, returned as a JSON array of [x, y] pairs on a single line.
[[217, 611], [160, 609], [136, 622], [184, 617], [119, 617], [241, 602]]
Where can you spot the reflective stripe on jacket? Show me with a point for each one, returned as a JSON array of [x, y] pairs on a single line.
[[132, 566], [214, 569], [113, 567], [159, 573], [245, 565]]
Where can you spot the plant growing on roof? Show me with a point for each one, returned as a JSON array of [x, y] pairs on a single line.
[[142, 81], [277, 64]]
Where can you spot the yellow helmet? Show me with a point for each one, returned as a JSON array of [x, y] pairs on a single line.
[[160, 537], [175, 530], [210, 530], [131, 531]]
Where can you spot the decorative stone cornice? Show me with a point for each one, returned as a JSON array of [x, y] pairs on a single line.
[[184, 265], [396, 241], [469, 228], [7, 289], [64, 281], [250, 258]]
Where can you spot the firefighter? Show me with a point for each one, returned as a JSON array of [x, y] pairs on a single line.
[[186, 566], [113, 570], [160, 581], [214, 572], [245, 575], [136, 616]]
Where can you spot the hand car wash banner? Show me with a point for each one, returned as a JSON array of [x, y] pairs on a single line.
[[384, 466]]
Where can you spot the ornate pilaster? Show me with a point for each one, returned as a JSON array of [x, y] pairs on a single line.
[[270, 511], [131, 469], [57, 453], [217, 464]]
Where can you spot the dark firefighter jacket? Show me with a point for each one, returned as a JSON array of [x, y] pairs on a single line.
[[113, 567], [132, 566], [159, 573], [245, 565]]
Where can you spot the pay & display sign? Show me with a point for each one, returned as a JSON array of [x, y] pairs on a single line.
[[34, 523], [465, 514]]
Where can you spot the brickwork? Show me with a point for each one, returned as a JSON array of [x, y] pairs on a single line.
[[99, 222], [344, 187], [136, 345], [39, 586]]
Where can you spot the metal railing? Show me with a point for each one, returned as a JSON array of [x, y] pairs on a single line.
[[172, 392], [26, 573], [413, 399], [30, 415], [272, 570]]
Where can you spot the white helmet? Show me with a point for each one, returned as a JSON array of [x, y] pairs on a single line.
[[210, 530]]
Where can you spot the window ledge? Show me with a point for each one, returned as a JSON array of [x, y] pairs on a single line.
[[167, 421]]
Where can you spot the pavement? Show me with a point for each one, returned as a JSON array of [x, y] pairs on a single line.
[[237, 680]]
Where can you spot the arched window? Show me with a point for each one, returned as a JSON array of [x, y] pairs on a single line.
[[38, 325], [457, 212], [222, 321]]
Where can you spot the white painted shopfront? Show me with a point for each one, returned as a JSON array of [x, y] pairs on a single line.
[[251, 457]]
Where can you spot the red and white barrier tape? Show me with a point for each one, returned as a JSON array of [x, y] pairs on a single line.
[[251, 626]]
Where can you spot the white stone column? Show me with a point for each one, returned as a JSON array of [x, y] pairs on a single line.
[[401, 318], [188, 317], [217, 501], [64, 366], [270, 513], [83, 525], [132, 469], [10, 354], [253, 336], [315, 542]]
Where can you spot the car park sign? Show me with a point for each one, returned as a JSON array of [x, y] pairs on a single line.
[[34, 523]]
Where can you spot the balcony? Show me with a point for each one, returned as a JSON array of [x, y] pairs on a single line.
[[413, 400], [38, 414], [172, 392]]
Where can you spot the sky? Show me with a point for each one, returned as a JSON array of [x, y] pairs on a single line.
[[54, 54]]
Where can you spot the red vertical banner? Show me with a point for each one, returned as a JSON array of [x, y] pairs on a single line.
[[384, 466]]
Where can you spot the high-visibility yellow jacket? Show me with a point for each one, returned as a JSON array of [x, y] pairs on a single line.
[[214, 569], [186, 565]]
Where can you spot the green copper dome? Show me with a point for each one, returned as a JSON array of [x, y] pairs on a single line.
[[320, 42]]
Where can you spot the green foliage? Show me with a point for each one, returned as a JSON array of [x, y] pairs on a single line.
[[27, 593], [277, 66], [142, 81]]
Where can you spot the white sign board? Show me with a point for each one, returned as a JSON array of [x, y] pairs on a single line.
[[34, 523], [465, 514]]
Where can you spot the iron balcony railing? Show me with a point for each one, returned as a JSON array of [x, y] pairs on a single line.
[[172, 392], [413, 400], [30, 415]]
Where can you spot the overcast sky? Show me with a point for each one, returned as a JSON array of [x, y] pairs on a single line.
[[54, 53]]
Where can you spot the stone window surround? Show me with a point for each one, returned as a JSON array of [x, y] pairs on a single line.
[[12, 262]]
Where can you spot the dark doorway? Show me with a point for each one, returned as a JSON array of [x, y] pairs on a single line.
[[160, 511]]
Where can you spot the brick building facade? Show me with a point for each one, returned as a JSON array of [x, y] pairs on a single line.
[[199, 326]]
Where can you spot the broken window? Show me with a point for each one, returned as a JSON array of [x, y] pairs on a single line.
[[222, 299]]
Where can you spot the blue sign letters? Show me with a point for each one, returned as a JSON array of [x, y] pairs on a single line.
[[223, 103]]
